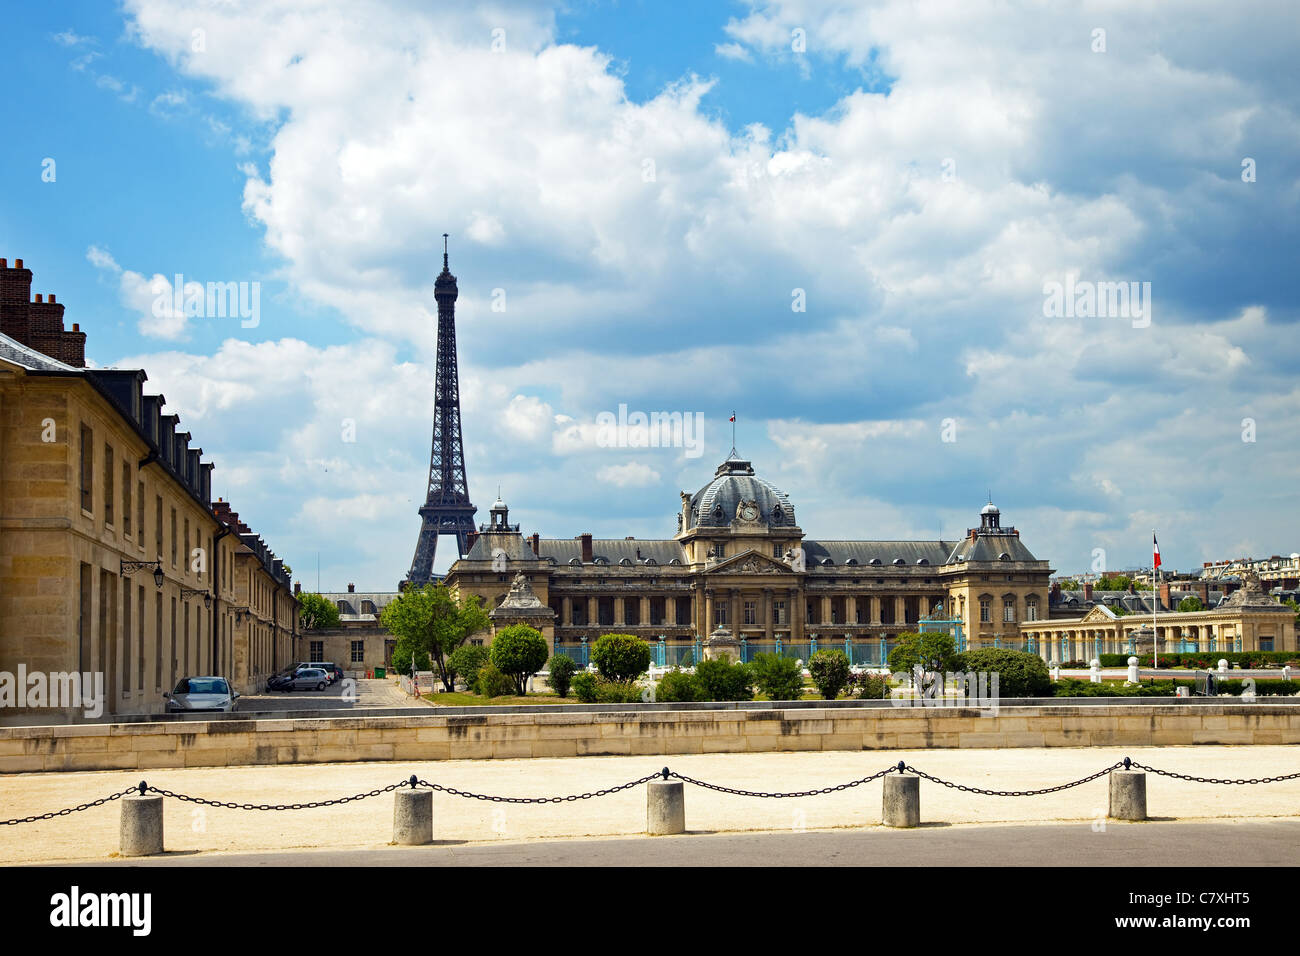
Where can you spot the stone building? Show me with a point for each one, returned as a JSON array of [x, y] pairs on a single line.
[[360, 643], [113, 560], [740, 561]]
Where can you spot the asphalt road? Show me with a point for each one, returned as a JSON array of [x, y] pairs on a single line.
[[362, 693], [1154, 843]]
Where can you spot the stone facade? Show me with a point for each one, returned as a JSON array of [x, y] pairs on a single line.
[[99, 492], [739, 560]]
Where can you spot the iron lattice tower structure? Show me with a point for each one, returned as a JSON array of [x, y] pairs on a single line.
[[447, 508]]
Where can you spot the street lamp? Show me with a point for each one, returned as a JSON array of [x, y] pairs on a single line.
[[187, 593], [130, 567]]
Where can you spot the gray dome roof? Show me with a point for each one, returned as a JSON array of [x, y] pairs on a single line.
[[732, 483], [990, 509]]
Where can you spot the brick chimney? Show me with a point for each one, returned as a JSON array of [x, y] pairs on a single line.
[[15, 299], [352, 588], [535, 539], [1087, 590], [587, 554], [1204, 588], [1164, 595], [1056, 592]]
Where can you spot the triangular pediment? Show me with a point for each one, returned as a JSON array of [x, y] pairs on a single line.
[[749, 562], [1100, 614]]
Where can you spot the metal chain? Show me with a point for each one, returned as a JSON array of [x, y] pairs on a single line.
[[577, 796], [276, 806], [779, 796], [63, 813], [1183, 776], [1015, 793]]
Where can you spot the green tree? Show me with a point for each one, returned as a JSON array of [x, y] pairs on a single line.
[[778, 676], [720, 679], [829, 671], [1192, 603], [1019, 674], [519, 652], [561, 668], [1069, 584], [429, 619], [620, 657], [401, 659], [466, 661], [933, 651], [315, 611], [1114, 582]]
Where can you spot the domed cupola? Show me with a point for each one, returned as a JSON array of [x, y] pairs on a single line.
[[736, 493]]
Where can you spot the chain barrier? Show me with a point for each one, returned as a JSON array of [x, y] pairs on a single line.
[[569, 799], [1183, 776], [63, 813], [142, 788], [1017, 793], [778, 796]]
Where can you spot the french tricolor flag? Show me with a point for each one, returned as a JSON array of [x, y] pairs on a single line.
[[1156, 545]]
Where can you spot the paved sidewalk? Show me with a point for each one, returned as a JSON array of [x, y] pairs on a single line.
[[93, 834]]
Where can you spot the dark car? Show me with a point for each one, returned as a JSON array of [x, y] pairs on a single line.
[[282, 680]]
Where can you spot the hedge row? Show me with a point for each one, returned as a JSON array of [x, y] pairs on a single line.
[[1205, 659], [1166, 688]]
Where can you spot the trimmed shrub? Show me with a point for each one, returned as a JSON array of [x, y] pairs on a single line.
[[677, 686], [617, 692], [493, 683], [1020, 674], [562, 668], [720, 679], [518, 651], [466, 661], [1204, 660], [777, 676], [933, 651], [620, 657], [584, 687], [870, 686], [829, 671]]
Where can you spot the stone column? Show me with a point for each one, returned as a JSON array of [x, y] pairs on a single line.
[[826, 611], [900, 612], [566, 610], [767, 615], [708, 613], [645, 612], [796, 614], [736, 622], [874, 607], [593, 611], [619, 618]]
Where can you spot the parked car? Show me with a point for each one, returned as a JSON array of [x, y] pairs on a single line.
[[308, 678], [192, 694], [334, 672], [282, 679]]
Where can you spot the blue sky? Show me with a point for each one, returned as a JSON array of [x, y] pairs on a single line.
[[647, 188]]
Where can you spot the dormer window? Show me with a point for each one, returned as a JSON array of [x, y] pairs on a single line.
[[899, 562], [625, 562], [852, 562]]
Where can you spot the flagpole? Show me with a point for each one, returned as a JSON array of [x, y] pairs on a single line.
[[1155, 602]]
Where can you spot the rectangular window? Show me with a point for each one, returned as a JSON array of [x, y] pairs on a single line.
[[108, 483], [185, 555], [358, 652], [985, 616], [173, 537], [1031, 611], [605, 610], [185, 638], [632, 611], [751, 612], [87, 469], [776, 551], [157, 640], [126, 499], [778, 612], [139, 512], [720, 615], [1008, 612], [857, 611], [172, 649], [318, 651], [158, 526], [139, 657], [83, 621]]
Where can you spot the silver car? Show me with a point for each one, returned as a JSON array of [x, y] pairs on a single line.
[[201, 693], [308, 678]]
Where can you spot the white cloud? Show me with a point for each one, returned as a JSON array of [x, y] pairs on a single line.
[[633, 474]]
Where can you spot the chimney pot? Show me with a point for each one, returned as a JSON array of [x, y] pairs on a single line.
[[352, 588], [76, 326], [18, 263], [4, 263], [51, 298], [38, 297]]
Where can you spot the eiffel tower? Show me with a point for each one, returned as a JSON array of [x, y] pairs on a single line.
[[447, 508]]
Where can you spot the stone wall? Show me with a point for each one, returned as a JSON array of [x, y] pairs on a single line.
[[432, 737]]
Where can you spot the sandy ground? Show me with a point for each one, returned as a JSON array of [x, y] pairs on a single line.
[[93, 834]]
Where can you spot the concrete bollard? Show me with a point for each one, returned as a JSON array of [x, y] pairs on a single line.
[[1128, 795], [1133, 670], [1286, 673], [902, 800], [1094, 671], [665, 807], [141, 832], [412, 817], [1055, 671]]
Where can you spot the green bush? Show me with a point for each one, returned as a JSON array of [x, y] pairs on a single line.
[[620, 657], [871, 686], [584, 687], [777, 676], [677, 686], [618, 692], [829, 671], [1204, 660], [1020, 674], [721, 679], [519, 651], [401, 660], [562, 668], [492, 683], [466, 661], [1263, 688]]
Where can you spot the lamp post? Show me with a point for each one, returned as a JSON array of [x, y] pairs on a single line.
[[130, 567]]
